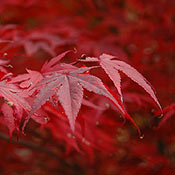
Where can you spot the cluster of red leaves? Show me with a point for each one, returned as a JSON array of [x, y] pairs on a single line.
[[62, 95]]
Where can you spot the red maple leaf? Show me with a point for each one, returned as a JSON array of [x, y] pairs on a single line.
[[10, 93], [31, 41], [168, 112], [68, 86], [8, 118], [27, 82], [112, 68], [13, 110]]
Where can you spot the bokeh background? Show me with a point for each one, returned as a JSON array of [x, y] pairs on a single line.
[[139, 32]]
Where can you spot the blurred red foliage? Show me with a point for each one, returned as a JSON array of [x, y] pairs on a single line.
[[140, 33]]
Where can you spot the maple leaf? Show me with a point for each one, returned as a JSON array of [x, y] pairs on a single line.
[[112, 68], [68, 85], [49, 66], [92, 137], [31, 47], [168, 112], [10, 93], [8, 118], [15, 104], [31, 41], [27, 82]]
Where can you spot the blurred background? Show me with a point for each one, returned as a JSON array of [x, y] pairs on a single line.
[[139, 32]]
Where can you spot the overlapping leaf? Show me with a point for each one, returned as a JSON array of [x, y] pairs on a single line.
[[68, 86], [50, 66], [112, 68], [27, 81], [8, 118], [10, 92]]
